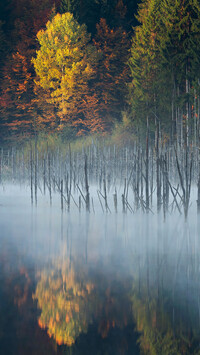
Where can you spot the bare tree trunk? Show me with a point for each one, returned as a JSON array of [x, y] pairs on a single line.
[[87, 197], [158, 182], [31, 165], [147, 168]]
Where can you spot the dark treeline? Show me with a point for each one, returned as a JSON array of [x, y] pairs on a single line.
[[77, 67]]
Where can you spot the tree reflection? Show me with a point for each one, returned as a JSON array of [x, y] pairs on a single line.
[[76, 297], [71, 297], [159, 332], [68, 302]]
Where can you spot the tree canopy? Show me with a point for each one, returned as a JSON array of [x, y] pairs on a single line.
[[82, 79], [165, 60], [65, 63]]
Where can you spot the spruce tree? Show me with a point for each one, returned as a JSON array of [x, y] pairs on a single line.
[[165, 62], [113, 72]]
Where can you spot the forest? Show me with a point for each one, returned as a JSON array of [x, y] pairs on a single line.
[[84, 49], [100, 177], [74, 68]]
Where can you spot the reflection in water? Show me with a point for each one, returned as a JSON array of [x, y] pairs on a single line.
[[73, 295], [67, 302], [159, 333], [19, 333], [165, 298], [98, 284], [153, 292]]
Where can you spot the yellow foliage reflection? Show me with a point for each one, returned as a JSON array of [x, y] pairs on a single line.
[[67, 301], [71, 297]]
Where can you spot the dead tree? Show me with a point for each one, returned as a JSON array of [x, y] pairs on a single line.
[[87, 196], [185, 179], [158, 180]]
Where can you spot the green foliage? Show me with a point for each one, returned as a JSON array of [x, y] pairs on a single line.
[[165, 54], [117, 13], [124, 131], [160, 333], [67, 6], [85, 12]]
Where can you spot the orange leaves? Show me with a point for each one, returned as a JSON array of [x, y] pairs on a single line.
[[59, 340], [65, 301], [91, 119], [19, 103], [67, 319], [41, 324], [57, 317], [79, 82]]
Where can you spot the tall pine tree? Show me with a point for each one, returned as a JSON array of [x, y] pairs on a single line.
[[113, 72], [165, 62]]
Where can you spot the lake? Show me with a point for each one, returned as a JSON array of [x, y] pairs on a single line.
[[96, 283]]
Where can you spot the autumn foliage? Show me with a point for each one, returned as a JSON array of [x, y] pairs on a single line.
[[18, 97], [70, 299], [57, 74], [67, 303]]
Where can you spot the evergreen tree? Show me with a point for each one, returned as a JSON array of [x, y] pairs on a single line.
[[181, 56], [118, 13], [145, 61], [165, 60], [85, 12], [112, 71], [3, 45]]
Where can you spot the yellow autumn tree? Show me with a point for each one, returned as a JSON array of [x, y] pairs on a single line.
[[68, 302], [65, 64]]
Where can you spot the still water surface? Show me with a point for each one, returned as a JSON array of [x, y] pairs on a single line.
[[79, 283]]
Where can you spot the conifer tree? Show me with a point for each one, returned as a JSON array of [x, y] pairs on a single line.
[[181, 56], [85, 12], [112, 71], [165, 61]]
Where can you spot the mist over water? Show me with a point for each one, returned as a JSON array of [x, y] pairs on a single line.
[[128, 281]]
